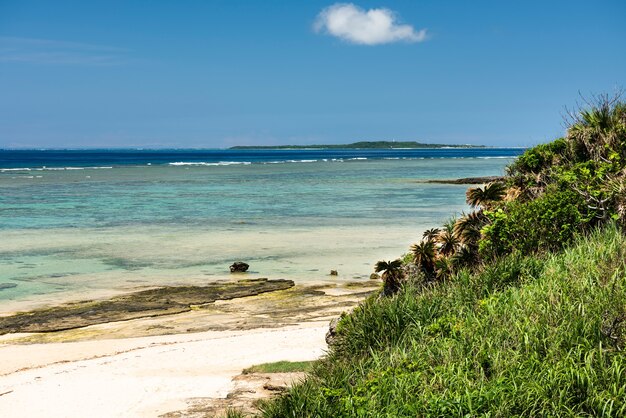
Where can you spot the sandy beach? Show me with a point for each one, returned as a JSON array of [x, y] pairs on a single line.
[[141, 377], [150, 366]]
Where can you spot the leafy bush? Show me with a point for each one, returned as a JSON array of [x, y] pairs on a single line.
[[544, 224], [538, 158]]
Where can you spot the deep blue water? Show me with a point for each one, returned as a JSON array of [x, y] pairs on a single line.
[[126, 157]]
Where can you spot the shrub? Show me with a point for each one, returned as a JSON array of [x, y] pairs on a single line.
[[544, 224], [538, 158]]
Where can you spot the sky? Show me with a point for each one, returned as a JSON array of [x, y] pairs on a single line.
[[218, 73]]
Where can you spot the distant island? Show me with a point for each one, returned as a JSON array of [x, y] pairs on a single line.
[[360, 145]]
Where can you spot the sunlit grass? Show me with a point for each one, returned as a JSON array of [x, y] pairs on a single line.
[[280, 367], [526, 336]]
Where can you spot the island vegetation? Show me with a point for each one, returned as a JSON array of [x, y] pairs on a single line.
[[517, 308], [359, 145]]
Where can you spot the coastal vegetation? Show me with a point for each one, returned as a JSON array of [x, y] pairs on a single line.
[[360, 145], [280, 367], [517, 308]]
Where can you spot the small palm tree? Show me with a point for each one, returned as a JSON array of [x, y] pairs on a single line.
[[431, 234], [424, 256], [443, 268], [392, 275], [599, 130], [466, 256], [448, 242], [449, 225], [486, 195], [467, 228]]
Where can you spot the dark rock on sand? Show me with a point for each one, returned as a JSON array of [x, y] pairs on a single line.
[[374, 276], [147, 303], [239, 267], [334, 273], [467, 180], [331, 335]]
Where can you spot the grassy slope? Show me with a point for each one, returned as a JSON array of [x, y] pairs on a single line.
[[529, 332], [527, 336]]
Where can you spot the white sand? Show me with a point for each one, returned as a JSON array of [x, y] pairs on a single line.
[[140, 377]]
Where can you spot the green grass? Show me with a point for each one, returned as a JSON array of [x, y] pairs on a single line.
[[280, 367], [233, 413], [525, 336]]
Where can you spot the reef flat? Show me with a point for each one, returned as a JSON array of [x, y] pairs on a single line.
[[146, 303]]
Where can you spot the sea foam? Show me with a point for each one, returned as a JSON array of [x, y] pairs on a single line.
[[202, 163]]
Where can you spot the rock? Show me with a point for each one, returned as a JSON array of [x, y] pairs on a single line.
[[239, 267], [275, 388], [331, 335], [7, 285], [143, 304], [334, 273], [374, 276], [467, 180]]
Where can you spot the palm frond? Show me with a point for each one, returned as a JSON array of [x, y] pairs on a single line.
[[466, 256], [481, 196], [392, 275], [424, 255], [467, 228], [431, 234], [443, 268], [383, 266], [448, 242]]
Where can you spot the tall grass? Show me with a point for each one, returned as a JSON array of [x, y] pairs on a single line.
[[526, 336]]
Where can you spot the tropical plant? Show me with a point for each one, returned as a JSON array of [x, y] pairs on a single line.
[[449, 225], [464, 257], [618, 188], [486, 195], [424, 256], [467, 228], [448, 242], [598, 132], [443, 268], [392, 275], [431, 234]]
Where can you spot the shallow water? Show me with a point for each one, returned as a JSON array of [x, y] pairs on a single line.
[[84, 232]]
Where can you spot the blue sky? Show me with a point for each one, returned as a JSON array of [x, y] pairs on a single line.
[[220, 73]]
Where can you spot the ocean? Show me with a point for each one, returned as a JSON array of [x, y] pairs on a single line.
[[78, 224]]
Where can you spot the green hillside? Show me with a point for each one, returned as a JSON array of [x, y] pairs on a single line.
[[515, 309]]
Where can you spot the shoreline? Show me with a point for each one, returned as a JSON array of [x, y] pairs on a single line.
[[150, 366], [177, 310]]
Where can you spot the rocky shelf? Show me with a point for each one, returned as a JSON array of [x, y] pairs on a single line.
[[146, 303], [467, 180]]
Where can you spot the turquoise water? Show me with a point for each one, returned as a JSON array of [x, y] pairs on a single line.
[[85, 232]]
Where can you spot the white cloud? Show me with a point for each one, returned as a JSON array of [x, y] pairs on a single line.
[[366, 27]]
